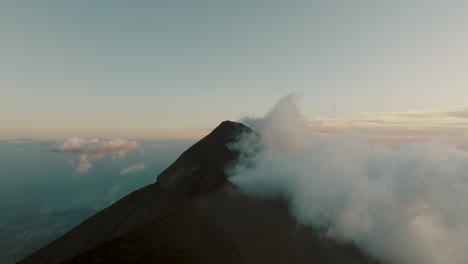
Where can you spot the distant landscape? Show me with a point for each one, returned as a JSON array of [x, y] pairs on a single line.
[[42, 196], [234, 132]]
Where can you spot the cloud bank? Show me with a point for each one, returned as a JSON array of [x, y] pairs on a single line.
[[94, 149], [401, 127], [402, 205], [134, 168]]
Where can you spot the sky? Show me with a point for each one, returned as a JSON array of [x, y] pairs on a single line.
[[175, 69], [78, 74]]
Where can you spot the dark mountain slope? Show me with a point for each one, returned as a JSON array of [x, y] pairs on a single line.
[[192, 214]]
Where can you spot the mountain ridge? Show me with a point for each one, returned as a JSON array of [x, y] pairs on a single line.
[[194, 210]]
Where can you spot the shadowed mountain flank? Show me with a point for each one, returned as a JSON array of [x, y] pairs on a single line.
[[200, 169], [193, 214]]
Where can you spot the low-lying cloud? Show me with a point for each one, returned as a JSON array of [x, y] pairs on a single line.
[[407, 204], [400, 127], [460, 113], [134, 168], [94, 149]]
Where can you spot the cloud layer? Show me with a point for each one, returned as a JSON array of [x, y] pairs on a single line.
[[134, 168], [94, 149], [403, 205], [401, 127]]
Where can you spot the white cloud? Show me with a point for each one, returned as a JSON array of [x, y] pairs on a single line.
[[403, 205], [134, 168], [95, 149], [84, 165]]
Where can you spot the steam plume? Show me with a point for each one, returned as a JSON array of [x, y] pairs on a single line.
[[403, 205]]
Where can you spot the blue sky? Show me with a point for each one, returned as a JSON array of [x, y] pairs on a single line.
[[174, 69], [393, 70]]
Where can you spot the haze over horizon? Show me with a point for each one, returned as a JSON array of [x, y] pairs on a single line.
[[176, 69], [361, 107]]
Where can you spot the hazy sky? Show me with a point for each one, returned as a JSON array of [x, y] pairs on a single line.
[[171, 69]]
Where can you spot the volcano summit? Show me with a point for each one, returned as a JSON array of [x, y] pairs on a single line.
[[193, 214]]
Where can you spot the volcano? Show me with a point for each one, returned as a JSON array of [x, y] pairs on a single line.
[[193, 214]]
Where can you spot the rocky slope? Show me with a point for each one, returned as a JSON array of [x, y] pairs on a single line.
[[192, 214]]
